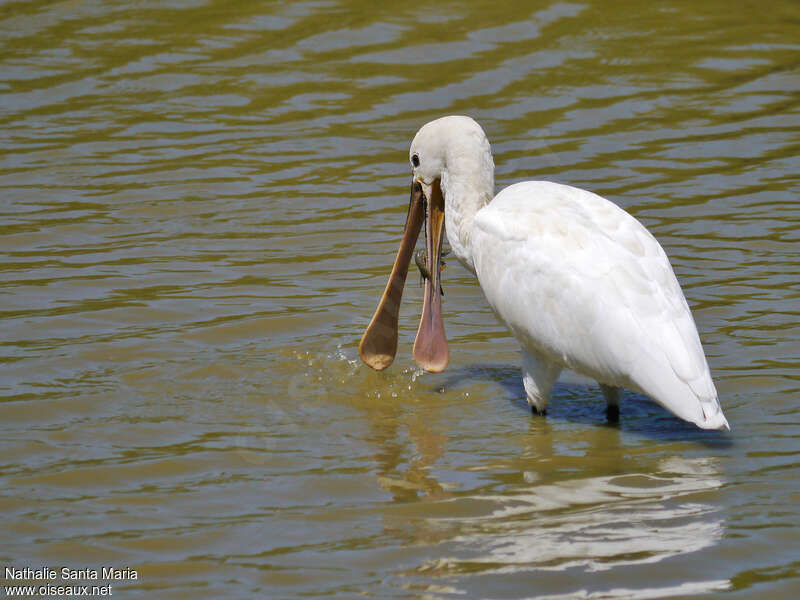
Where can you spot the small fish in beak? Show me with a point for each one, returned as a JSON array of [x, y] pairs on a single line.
[[421, 261]]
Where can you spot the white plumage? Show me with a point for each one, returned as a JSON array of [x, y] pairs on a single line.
[[579, 282]]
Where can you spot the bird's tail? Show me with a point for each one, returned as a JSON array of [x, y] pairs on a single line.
[[712, 416]]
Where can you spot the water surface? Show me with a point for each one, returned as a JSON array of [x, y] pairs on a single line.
[[199, 206]]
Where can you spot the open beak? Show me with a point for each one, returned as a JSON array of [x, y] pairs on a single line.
[[379, 343], [430, 347]]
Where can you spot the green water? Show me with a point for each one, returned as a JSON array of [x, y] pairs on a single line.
[[199, 206]]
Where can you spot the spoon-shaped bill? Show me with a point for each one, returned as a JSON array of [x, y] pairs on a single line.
[[430, 347], [379, 343]]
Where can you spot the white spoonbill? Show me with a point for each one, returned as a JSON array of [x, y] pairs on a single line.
[[579, 282]]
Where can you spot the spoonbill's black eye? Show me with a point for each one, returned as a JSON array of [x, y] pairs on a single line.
[[415, 160]]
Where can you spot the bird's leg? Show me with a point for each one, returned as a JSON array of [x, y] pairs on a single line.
[[538, 377], [612, 395], [421, 261]]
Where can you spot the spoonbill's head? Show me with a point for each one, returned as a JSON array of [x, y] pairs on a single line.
[[452, 167]]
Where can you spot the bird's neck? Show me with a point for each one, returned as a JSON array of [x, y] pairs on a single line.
[[465, 193]]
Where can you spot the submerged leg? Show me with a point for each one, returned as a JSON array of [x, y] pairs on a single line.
[[538, 377], [612, 395]]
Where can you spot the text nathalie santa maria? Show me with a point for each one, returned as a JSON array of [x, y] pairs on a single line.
[[69, 574]]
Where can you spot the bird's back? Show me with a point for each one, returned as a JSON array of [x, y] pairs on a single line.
[[581, 282]]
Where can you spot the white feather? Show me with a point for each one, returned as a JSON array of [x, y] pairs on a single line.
[[579, 281]]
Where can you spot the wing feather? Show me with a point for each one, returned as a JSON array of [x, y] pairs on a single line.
[[579, 280]]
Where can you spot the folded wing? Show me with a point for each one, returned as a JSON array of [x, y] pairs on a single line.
[[580, 281]]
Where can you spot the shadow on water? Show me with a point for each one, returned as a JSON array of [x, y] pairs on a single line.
[[584, 404]]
